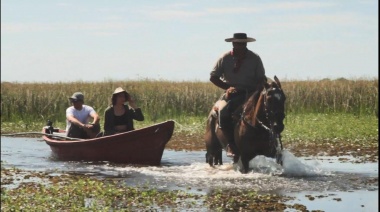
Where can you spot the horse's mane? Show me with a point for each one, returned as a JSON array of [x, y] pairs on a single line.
[[251, 108]]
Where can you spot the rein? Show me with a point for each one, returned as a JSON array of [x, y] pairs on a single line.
[[255, 114], [273, 137]]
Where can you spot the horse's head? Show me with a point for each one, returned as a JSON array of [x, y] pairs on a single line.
[[267, 108], [274, 105]]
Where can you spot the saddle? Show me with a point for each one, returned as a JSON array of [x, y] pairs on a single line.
[[217, 107], [233, 116]]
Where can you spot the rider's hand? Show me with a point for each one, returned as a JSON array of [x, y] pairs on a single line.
[[229, 91]]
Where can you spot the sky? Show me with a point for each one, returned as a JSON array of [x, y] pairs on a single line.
[[99, 40]]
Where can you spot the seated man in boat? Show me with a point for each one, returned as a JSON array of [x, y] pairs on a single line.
[[78, 117], [118, 117]]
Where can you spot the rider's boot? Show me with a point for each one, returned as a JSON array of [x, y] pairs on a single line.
[[225, 119], [231, 147], [226, 125]]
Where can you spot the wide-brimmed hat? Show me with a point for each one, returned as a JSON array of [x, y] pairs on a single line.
[[77, 96], [120, 90], [117, 91], [240, 38]]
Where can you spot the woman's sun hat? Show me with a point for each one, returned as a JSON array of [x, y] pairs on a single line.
[[120, 90]]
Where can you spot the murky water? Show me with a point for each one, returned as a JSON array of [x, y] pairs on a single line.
[[325, 178]]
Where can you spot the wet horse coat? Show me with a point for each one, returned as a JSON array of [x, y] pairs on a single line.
[[257, 132]]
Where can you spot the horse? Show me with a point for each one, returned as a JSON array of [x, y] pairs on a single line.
[[257, 130]]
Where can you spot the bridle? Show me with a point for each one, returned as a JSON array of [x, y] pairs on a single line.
[[266, 110], [269, 114]]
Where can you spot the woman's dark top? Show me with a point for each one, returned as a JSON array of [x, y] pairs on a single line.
[[111, 120], [121, 120]]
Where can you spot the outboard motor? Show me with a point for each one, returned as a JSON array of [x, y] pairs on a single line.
[[49, 129]]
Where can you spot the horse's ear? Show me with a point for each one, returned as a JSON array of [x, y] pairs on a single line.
[[277, 81]]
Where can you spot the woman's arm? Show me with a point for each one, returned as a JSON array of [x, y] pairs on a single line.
[[134, 110], [137, 114]]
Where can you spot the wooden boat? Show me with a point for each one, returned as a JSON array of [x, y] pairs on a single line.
[[142, 146]]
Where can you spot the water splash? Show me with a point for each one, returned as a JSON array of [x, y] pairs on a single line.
[[294, 167]]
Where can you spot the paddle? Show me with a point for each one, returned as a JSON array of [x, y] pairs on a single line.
[[41, 133]]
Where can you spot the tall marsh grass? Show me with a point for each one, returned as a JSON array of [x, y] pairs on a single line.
[[161, 100], [359, 97]]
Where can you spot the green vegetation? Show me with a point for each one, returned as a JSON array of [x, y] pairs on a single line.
[[160, 100], [339, 126], [344, 109], [37, 191], [81, 193]]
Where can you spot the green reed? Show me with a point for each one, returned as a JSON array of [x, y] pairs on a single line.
[[359, 97], [161, 100]]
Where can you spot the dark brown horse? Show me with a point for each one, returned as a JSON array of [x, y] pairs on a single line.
[[257, 131]]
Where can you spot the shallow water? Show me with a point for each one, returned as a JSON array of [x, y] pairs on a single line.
[[324, 178]]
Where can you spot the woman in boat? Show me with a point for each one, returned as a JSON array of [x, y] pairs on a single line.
[[118, 117]]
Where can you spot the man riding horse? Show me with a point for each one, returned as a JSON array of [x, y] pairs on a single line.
[[239, 72]]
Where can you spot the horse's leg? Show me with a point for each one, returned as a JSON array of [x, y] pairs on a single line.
[[209, 159], [208, 142], [246, 146], [224, 137], [236, 158], [237, 139], [217, 148], [274, 150], [218, 157], [279, 158], [277, 154], [213, 147], [244, 163], [279, 149]]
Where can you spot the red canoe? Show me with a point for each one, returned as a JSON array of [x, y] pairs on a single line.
[[142, 146]]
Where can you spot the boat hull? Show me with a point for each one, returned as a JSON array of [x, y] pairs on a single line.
[[143, 146]]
